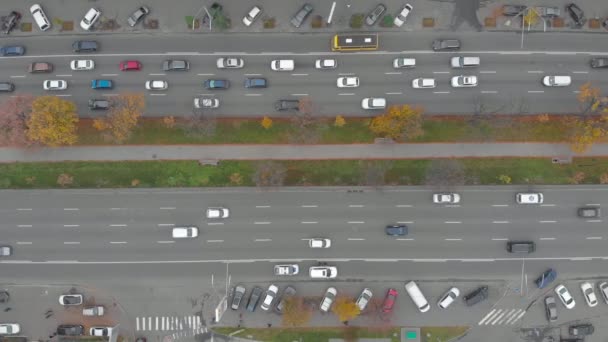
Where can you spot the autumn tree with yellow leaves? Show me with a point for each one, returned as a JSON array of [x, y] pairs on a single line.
[[345, 308], [52, 121], [399, 122], [124, 115], [591, 124]]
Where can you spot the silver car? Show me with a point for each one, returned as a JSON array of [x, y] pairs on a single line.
[[364, 298], [138, 15], [375, 14]]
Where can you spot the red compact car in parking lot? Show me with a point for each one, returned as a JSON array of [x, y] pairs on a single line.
[[389, 301], [130, 66]]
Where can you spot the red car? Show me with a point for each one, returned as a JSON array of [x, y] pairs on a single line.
[[130, 66], [389, 301]]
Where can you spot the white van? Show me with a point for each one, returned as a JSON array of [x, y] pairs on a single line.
[[282, 65], [40, 18], [557, 81], [465, 62], [417, 296], [184, 232], [404, 62]]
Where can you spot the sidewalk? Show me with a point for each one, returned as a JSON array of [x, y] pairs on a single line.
[[294, 152]]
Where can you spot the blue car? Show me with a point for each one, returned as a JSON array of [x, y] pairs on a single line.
[[102, 84], [217, 84], [546, 278], [14, 50]]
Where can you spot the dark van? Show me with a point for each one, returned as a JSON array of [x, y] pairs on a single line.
[[254, 298], [521, 247], [476, 296]]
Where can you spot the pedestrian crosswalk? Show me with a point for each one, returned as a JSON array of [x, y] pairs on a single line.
[[180, 326], [502, 317]]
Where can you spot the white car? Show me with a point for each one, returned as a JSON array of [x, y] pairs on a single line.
[[328, 299], [464, 81], [271, 294], [323, 272], [252, 15], [55, 85], [230, 63], [402, 16], [404, 63], [157, 85], [565, 296], [557, 81], [373, 103], [40, 17], [446, 197], [97, 310], [70, 299], [90, 18], [319, 243], [82, 64], [184, 232], [589, 294], [326, 64], [364, 298], [206, 102], [529, 198], [286, 270], [217, 212], [9, 328], [419, 83], [348, 82], [99, 331], [448, 298], [282, 65]]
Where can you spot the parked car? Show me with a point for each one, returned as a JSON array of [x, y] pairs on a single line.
[[603, 288], [90, 18], [548, 11], [230, 63], [55, 85], [11, 20], [363, 299], [237, 297], [287, 292], [396, 230], [99, 331], [446, 198], [9, 329], [599, 62], [184, 232], [589, 294], [588, 212], [130, 65], [40, 67], [550, 308], [323, 272], [373, 103], [271, 294], [70, 299], [448, 298], [157, 85], [40, 17], [513, 10], [176, 65], [389, 300], [12, 50], [319, 243], [286, 270], [328, 299], [213, 84], [252, 15], [401, 17], [254, 298], [82, 64], [97, 310], [576, 14], [546, 278], [217, 213], [298, 19], [324, 64], [206, 103], [446, 45], [255, 82], [565, 296], [373, 16], [287, 105], [6, 251], [581, 330], [476, 296], [70, 330], [138, 15], [102, 84]]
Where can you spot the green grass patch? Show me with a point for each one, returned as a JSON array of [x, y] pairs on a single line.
[[441, 334], [311, 334]]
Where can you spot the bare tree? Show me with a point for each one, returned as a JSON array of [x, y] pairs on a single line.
[[200, 124], [305, 127], [269, 173], [445, 173]]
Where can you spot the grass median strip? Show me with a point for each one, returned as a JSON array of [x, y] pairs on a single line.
[[487, 171]]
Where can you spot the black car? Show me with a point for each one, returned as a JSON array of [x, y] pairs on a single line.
[[512, 10], [546, 278], [256, 83], [581, 330], [254, 298], [577, 14], [70, 330], [588, 212], [99, 104], [599, 62], [85, 46], [217, 84], [285, 105], [11, 21], [446, 45], [299, 17], [288, 292], [476, 296], [176, 65], [237, 297], [396, 230]]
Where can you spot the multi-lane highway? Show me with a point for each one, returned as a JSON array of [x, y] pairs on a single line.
[[509, 76]]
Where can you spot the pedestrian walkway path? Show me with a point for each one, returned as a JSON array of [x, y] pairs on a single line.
[[293, 152], [504, 316], [177, 326]]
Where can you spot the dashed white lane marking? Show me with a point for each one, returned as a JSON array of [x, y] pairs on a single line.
[[24, 209], [500, 221], [535, 71], [345, 74], [356, 205], [205, 74], [109, 74], [405, 222], [167, 208], [71, 243], [356, 222], [166, 224], [299, 94], [593, 221], [309, 222], [489, 92], [262, 206], [452, 239], [299, 74], [211, 241], [593, 204], [64, 95], [71, 225], [261, 222], [118, 208], [403, 205], [66, 75], [309, 206], [118, 225], [580, 72], [18, 76], [262, 240], [487, 72], [253, 74], [547, 205], [535, 91], [70, 209], [165, 241], [157, 74], [346, 94], [441, 92], [157, 94], [24, 226], [356, 239], [251, 94], [405, 239], [109, 94], [499, 239], [547, 238], [396, 93], [455, 222], [441, 72], [215, 223], [24, 242], [500, 205], [392, 73], [549, 221], [118, 242], [594, 238]]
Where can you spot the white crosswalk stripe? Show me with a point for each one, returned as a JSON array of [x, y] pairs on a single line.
[[183, 326], [502, 317]]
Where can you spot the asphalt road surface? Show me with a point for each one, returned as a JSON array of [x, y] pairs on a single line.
[[509, 76]]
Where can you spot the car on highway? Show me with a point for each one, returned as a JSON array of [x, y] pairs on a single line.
[[99, 331], [9, 328], [40, 67], [446, 198], [213, 84], [401, 17], [237, 297], [287, 293], [404, 63], [550, 308], [464, 81], [446, 45], [175, 65], [254, 298], [217, 213], [298, 19], [271, 294], [102, 84], [97, 310], [40, 17], [90, 18], [589, 294], [184, 232], [12, 50], [255, 82], [130, 65], [6, 251], [513, 10], [11, 20], [319, 243], [138, 15], [478, 295], [282, 65], [521, 247], [529, 198], [363, 299], [565, 296], [581, 330], [70, 330], [372, 17], [287, 105], [576, 14], [421, 83], [458, 62], [588, 212], [603, 288], [157, 85], [55, 85], [82, 64], [396, 230], [328, 299], [99, 104], [348, 82], [389, 301], [70, 299], [6, 86], [323, 272], [324, 64], [546, 278], [448, 298], [557, 81], [373, 103], [85, 46], [230, 63], [599, 62], [548, 11], [286, 270], [251, 16], [206, 103]]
